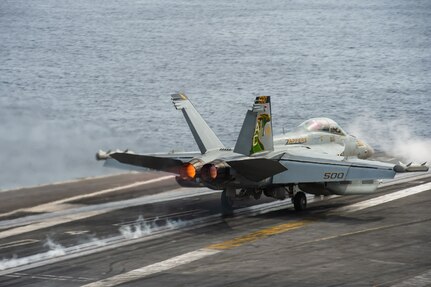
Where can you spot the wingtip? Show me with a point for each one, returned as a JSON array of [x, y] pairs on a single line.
[[179, 100], [101, 155], [179, 96]]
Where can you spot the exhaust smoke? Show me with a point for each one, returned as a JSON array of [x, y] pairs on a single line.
[[143, 227], [55, 250], [395, 137]]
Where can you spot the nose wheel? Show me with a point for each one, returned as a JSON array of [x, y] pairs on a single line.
[[226, 203], [299, 201]]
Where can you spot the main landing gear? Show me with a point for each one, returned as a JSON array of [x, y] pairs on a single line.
[[227, 199], [299, 201], [229, 195]]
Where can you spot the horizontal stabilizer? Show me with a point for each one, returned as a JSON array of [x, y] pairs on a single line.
[[257, 169], [152, 162]]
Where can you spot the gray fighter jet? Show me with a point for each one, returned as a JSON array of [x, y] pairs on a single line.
[[318, 157]]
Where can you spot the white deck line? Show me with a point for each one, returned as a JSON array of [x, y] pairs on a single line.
[[53, 205], [176, 261], [405, 177], [119, 241], [42, 259], [383, 199], [39, 221], [66, 181], [421, 280], [154, 268], [18, 243]]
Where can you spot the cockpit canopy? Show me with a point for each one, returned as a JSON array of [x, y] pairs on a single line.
[[321, 125]]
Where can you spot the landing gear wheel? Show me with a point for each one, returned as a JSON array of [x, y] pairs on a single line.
[[226, 203], [299, 201]]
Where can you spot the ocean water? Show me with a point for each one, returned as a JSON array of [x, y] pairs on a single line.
[[78, 76]]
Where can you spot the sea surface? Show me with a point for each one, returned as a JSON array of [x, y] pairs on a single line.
[[79, 76]]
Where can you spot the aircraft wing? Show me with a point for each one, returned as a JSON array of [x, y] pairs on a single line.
[[301, 168], [169, 162]]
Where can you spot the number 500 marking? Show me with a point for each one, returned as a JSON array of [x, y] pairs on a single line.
[[333, 175]]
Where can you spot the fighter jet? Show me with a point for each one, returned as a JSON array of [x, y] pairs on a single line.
[[318, 157]]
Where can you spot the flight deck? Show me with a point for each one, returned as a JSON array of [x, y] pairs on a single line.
[[142, 229]]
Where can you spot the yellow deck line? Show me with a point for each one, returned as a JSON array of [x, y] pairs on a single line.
[[260, 234], [189, 257]]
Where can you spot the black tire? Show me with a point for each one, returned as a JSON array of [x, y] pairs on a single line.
[[299, 201], [226, 204]]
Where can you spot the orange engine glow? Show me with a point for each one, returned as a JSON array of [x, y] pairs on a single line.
[[187, 171], [213, 172]]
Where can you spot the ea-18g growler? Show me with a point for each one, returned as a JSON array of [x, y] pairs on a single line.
[[318, 157]]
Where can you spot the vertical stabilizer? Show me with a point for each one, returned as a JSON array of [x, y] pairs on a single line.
[[256, 132], [203, 134]]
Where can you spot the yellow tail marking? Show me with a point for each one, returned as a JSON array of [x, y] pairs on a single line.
[[260, 234], [183, 96]]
